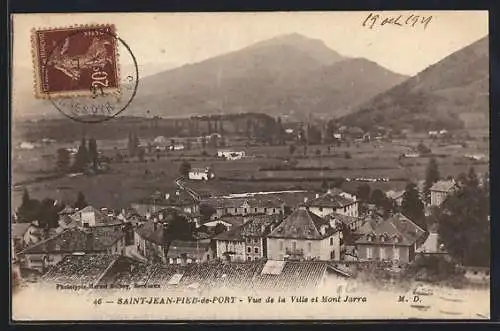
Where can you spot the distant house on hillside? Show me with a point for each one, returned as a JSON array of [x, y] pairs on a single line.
[[176, 147], [246, 242], [396, 196], [304, 235], [89, 217], [201, 174], [231, 155], [393, 239], [334, 201], [441, 190]]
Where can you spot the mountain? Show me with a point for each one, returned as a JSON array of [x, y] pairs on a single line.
[[287, 75], [452, 93]]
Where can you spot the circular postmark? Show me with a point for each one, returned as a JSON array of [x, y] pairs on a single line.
[[94, 87]]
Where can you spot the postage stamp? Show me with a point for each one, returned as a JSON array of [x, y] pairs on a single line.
[[75, 61]]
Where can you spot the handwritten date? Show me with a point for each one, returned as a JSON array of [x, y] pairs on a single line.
[[411, 20]]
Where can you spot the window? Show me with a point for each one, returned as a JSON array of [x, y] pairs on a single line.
[[331, 241], [294, 245], [235, 210], [320, 209], [274, 210], [256, 250], [265, 210], [249, 258], [332, 255], [256, 241], [208, 257], [281, 245], [245, 210], [369, 253], [309, 247], [249, 249], [255, 210]]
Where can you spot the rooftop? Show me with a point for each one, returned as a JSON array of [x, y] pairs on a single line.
[[443, 186], [94, 239], [395, 230], [178, 198], [249, 202], [302, 224], [331, 199], [256, 226]]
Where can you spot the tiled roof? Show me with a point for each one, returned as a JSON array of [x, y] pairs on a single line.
[[256, 226], [396, 230], [80, 269], [100, 217], [331, 200], [192, 249], [394, 194], [347, 220], [94, 239], [67, 210], [216, 275], [443, 186], [302, 224]]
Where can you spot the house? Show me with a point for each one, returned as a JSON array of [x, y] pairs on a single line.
[[304, 235], [176, 147], [107, 239], [351, 222], [179, 199], [89, 217], [431, 245], [246, 206], [25, 234], [246, 242], [394, 239], [334, 201], [201, 174], [441, 190], [229, 221], [231, 155], [396, 196], [180, 252], [153, 241]]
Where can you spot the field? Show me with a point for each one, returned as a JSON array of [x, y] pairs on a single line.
[[266, 168]]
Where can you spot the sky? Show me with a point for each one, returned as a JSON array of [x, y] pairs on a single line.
[[169, 39]]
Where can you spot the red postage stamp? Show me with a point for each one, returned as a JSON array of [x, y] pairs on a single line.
[[75, 61]]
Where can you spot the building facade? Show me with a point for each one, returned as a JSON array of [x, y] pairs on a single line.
[[303, 235], [334, 201]]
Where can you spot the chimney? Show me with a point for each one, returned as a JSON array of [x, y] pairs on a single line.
[[317, 195]]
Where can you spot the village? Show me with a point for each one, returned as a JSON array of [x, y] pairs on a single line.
[[185, 238]]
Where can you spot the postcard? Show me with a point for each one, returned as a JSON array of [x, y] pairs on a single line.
[[250, 166]]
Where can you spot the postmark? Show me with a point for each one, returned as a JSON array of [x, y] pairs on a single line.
[[77, 70]]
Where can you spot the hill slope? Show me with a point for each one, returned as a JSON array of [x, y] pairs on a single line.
[[287, 75], [452, 93]]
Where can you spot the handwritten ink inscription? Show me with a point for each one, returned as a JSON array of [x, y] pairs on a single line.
[[413, 21]]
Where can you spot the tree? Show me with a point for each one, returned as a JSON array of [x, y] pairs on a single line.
[[80, 202], [82, 157], [431, 176], [93, 154], [363, 192], [412, 207], [48, 213], [219, 228], [324, 184], [207, 211], [133, 144], [185, 168], [464, 226], [29, 208], [422, 149], [63, 160], [140, 154]]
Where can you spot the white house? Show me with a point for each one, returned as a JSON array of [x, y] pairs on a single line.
[[231, 155], [305, 236], [440, 191], [334, 201], [201, 174]]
